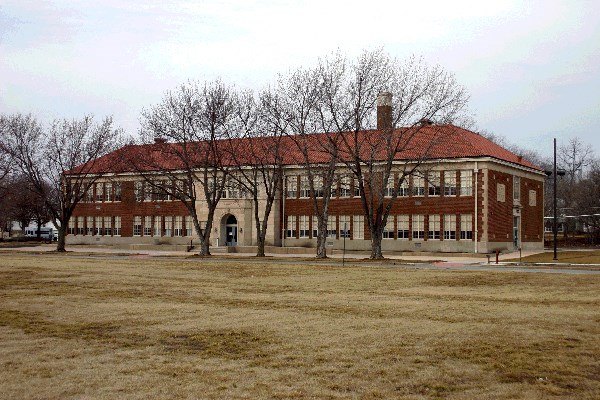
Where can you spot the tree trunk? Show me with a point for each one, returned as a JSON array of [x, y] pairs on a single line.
[[204, 246], [260, 248], [376, 247], [60, 245], [39, 229], [322, 240]]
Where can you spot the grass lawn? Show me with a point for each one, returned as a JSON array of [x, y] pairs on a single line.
[[135, 328], [572, 257]]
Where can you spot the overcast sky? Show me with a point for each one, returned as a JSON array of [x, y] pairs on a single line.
[[532, 68]]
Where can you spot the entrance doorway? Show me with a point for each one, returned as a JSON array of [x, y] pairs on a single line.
[[516, 224], [231, 231]]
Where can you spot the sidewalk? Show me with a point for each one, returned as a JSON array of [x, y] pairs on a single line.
[[337, 254]]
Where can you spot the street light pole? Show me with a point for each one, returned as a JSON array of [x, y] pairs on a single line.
[[555, 225]]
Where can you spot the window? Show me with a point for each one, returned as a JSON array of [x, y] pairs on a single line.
[[224, 191], [168, 226], [466, 227], [304, 229], [388, 229], [71, 227], [107, 226], [532, 198], [449, 227], [291, 226], [334, 187], [356, 187], [500, 192], [178, 225], [304, 187], [139, 191], [189, 226], [157, 225], [331, 228], [344, 226], [137, 226], [233, 189], [466, 183], [168, 190], [433, 183], [159, 191], [449, 183], [315, 226], [117, 231], [516, 188], [147, 226], [388, 191], [318, 186], [90, 226], [418, 185], [80, 227], [418, 227], [434, 228], [292, 187], [358, 228], [345, 186], [99, 192], [108, 188], [149, 192], [117, 187], [403, 188], [98, 226], [402, 226], [89, 194]]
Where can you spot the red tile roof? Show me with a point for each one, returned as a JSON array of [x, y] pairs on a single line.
[[429, 141]]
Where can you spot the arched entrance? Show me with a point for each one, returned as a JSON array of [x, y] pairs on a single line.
[[230, 230]]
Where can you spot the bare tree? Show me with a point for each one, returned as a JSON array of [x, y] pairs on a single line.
[[5, 169], [421, 94], [588, 205], [256, 147], [574, 157], [46, 157], [188, 127], [299, 113]]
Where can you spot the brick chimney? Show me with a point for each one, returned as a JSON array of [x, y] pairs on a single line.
[[384, 110]]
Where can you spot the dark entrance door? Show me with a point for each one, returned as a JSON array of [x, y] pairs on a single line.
[[231, 231]]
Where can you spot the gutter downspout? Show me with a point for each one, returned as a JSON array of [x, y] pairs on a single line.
[[476, 209]]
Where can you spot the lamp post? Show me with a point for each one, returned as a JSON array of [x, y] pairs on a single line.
[[555, 172]]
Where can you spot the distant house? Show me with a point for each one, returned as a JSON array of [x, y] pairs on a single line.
[[470, 195]]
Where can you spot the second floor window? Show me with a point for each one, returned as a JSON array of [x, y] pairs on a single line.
[[466, 183], [292, 187], [403, 188], [418, 185], [516, 188], [433, 183], [449, 183]]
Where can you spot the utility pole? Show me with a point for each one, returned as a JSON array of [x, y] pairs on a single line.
[[555, 224]]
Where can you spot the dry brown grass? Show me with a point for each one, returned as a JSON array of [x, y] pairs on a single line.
[[72, 327], [569, 257]]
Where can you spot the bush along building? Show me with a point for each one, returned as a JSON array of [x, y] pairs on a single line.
[[449, 189]]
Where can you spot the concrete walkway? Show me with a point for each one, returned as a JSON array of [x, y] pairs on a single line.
[[438, 258]]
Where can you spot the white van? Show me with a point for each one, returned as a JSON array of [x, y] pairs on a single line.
[[45, 233]]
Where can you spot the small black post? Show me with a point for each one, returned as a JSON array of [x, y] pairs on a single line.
[[520, 256]]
